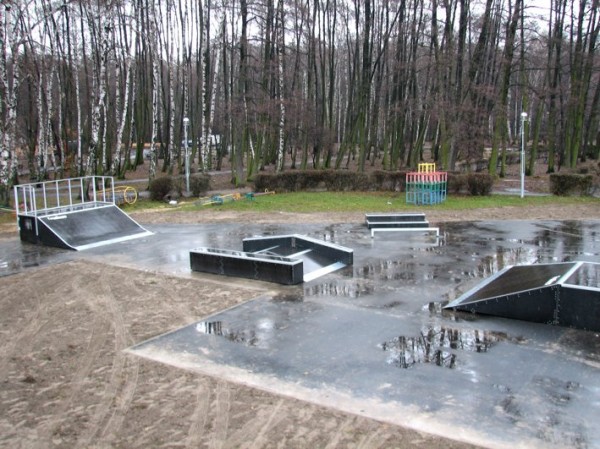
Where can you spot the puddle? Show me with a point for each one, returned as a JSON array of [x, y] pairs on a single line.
[[439, 346]]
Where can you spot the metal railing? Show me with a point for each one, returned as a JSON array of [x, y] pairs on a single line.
[[63, 195]]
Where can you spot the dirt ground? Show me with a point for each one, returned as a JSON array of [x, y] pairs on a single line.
[[66, 382]]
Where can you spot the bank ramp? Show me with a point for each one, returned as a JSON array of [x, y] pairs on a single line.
[[563, 294], [76, 213]]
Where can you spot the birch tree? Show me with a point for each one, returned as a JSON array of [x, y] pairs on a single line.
[[280, 63], [11, 40]]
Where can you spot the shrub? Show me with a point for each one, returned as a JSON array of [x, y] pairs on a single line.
[[341, 180], [479, 184], [392, 181], [264, 181], [457, 182], [570, 183], [160, 187], [199, 184], [294, 181]]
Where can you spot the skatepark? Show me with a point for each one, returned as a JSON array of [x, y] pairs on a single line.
[[367, 347], [367, 341]]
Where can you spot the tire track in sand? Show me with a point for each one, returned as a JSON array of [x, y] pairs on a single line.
[[273, 418], [20, 340], [118, 394], [100, 328], [199, 417], [222, 407]]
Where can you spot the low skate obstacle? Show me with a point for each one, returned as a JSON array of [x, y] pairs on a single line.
[[409, 222], [284, 259]]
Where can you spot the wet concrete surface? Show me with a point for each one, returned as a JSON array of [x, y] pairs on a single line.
[[372, 339]]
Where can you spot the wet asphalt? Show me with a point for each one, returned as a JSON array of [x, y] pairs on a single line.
[[372, 338]]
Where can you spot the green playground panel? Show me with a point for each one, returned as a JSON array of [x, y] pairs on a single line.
[[426, 188]]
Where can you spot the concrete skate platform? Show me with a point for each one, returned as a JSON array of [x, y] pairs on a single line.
[[374, 340]]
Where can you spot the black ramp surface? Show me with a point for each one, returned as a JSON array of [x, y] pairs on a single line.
[[518, 279], [92, 227]]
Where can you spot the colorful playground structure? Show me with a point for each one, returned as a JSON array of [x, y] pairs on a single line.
[[426, 186]]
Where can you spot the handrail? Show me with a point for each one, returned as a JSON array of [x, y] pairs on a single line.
[[41, 198]]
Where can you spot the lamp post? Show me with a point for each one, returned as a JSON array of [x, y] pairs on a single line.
[[523, 120], [186, 122]]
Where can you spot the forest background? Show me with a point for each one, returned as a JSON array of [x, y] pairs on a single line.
[[94, 87]]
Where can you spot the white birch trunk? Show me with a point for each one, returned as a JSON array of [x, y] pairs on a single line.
[[281, 54], [202, 80], [211, 112], [155, 117], [250, 141], [122, 107], [75, 50], [98, 108], [171, 39], [41, 138], [186, 67], [104, 83], [10, 38], [50, 112], [155, 92]]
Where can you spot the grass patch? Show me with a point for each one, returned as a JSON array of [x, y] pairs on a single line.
[[307, 202]]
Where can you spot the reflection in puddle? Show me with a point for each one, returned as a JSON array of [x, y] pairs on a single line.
[[354, 289], [435, 345], [247, 337]]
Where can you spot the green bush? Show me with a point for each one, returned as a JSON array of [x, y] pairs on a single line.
[[160, 187], [479, 184], [570, 183], [199, 184]]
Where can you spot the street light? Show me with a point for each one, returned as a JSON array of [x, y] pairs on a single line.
[[523, 120], [186, 122]]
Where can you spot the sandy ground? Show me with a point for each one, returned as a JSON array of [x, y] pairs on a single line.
[[66, 382]]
